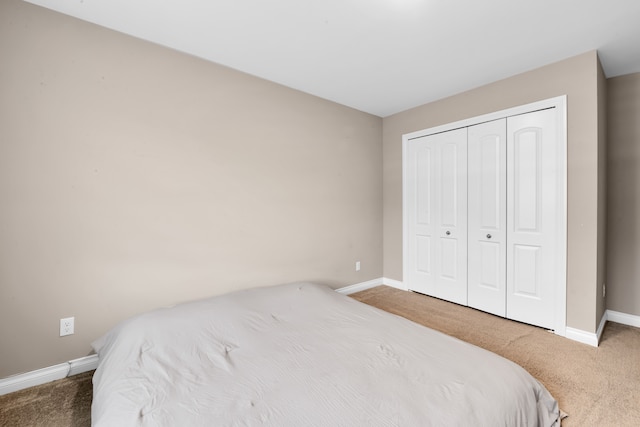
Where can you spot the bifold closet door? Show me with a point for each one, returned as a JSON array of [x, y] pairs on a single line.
[[487, 188], [532, 224], [485, 216], [437, 217]]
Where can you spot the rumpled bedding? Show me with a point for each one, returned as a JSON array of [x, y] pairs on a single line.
[[303, 355]]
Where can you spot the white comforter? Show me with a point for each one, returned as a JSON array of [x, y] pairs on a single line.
[[303, 355]]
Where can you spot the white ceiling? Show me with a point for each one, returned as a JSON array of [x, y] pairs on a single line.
[[378, 56]]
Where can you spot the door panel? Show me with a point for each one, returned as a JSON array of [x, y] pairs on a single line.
[[423, 254], [487, 216], [493, 266], [527, 146], [423, 186], [526, 266], [449, 173], [449, 251], [532, 176], [437, 204]]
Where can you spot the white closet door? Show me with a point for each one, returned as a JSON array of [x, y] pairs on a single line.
[[532, 177], [437, 221], [487, 188]]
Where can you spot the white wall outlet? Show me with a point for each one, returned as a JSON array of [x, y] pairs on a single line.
[[604, 290], [357, 265], [67, 326]]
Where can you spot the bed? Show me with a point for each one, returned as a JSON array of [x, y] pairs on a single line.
[[303, 355]]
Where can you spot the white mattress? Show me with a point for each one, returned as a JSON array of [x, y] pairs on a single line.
[[303, 355]]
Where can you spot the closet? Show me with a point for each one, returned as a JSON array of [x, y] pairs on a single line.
[[485, 213]]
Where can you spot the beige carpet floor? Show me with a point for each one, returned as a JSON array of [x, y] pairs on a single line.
[[62, 403], [595, 386]]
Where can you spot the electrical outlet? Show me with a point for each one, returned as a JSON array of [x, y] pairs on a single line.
[[604, 290], [357, 265], [67, 326]]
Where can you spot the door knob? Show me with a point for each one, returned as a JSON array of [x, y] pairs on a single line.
[[447, 233], [488, 236]]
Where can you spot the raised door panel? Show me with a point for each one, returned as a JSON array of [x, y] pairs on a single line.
[[532, 169], [487, 217]]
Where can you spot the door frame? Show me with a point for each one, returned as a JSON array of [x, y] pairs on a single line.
[[559, 103]]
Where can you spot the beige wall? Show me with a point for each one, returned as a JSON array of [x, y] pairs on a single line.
[[133, 176], [623, 226], [575, 77]]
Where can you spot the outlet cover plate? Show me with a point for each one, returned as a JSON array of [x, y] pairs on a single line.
[[67, 326]]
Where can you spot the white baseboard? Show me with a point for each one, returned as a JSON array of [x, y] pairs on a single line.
[[584, 337], [371, 284], [83, 364], [347, 290], [394, 283], [33, 378], [48, 374], [625, 319], [588, 337]]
